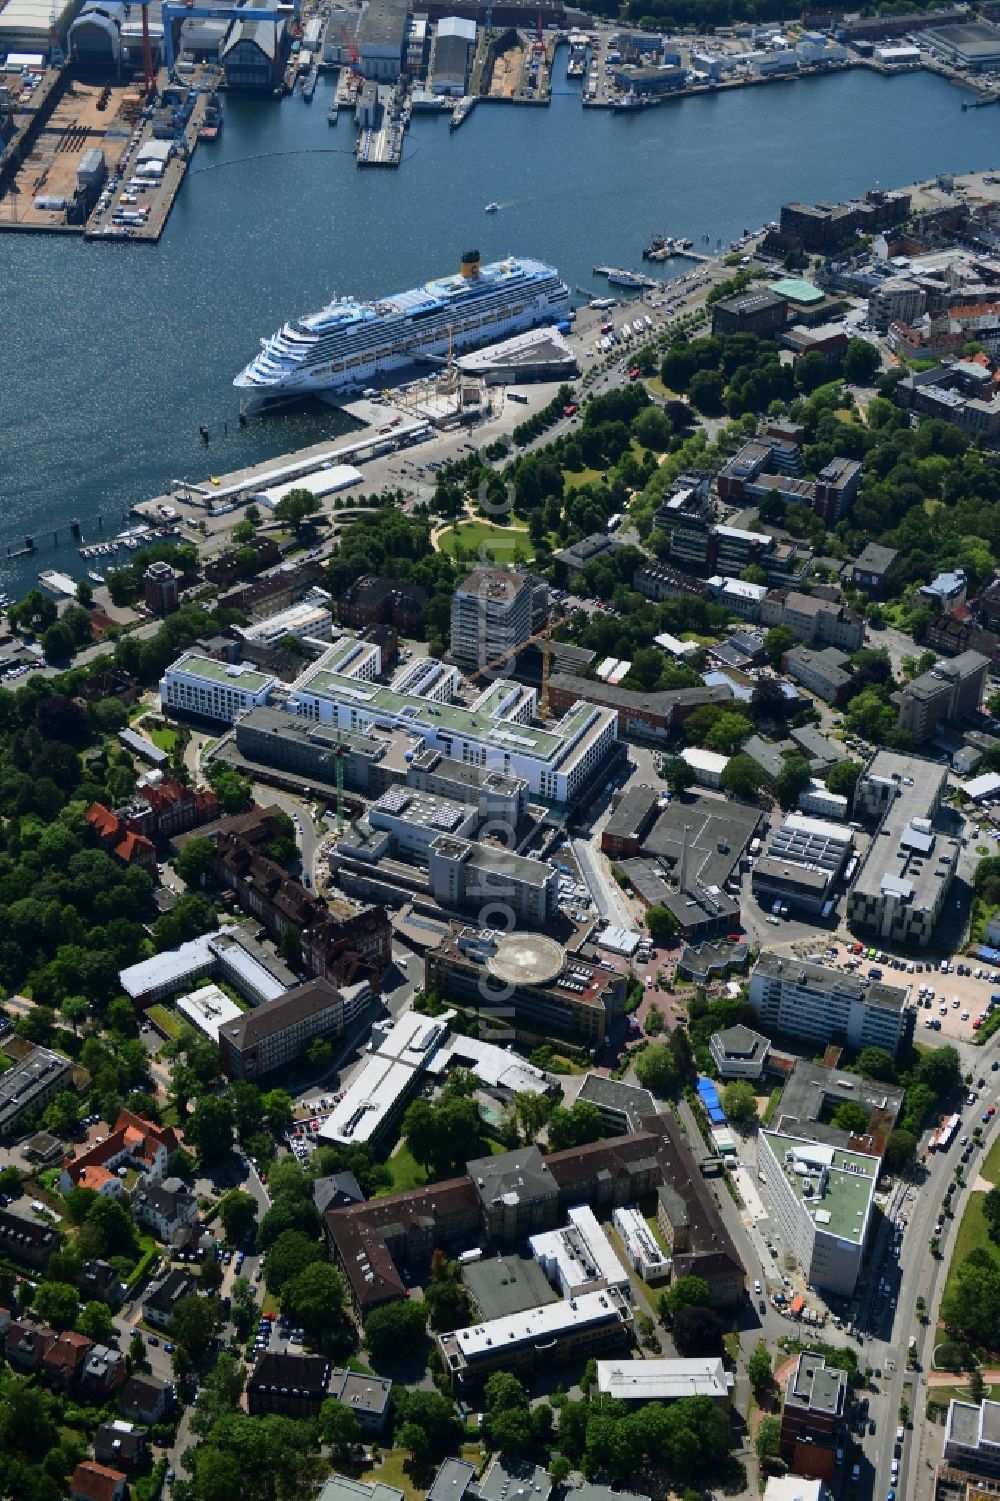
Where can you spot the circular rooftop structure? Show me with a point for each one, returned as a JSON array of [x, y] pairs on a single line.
[[527, 959]]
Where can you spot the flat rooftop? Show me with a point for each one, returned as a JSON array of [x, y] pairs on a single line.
[[536, 1326], [230, 674], [503, 1285], [662, 1380], [817, 977], [836, 1188]]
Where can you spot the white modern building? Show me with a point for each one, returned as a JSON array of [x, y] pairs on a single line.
[[823, 1198], [552, 1332], [208, 689], [645, 1254], [209, 1009], [803, 999], [579, 1258], [663, 1380], [496, 729], [707, 765]]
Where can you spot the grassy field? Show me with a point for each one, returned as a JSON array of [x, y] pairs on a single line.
[[5, 1062], [990, 1169], [406, 1171], [574, 478], [972, 1234], [391, 1472], [163, 736], [500, 542]]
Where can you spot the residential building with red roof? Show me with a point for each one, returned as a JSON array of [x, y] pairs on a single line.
[[94, 1482], [135, 1141]]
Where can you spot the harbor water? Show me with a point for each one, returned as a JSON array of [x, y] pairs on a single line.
[[115, 355]]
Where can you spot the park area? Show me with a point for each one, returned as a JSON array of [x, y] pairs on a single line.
[[502, 544]]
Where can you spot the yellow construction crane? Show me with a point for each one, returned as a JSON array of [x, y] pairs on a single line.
[[545, 637]]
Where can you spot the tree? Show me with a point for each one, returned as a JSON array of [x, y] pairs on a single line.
[[759, 1369], [768, 1439], [850, 1116], [661, 924], [57, 1304], [319, 1053], [340, 1428], [778, 640], [739, 1101], [396, 1331], [792, 780], [247, 1107], [531, 1111], [58, 643], [114, 1232], [940, 1069], [678, 775], [238, 1213], [290, 1254], [697, 1331], [842, 778], [991, 1213], [278, 1109], [443, 1137], [741, 776], [64, 1113], [705, 390], [194, 1325], [652, 429], [728, 733], [574, 1127], [296, 507], [686, 1292], [196, 861], [429, 1411], [862, 362], [656, 1070], [314, 1299], [900, 1150], [73, 1009], [877, 1063], [96, 1323], [209, 1128]]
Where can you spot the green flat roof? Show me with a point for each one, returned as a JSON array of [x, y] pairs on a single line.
[[797, 289], [849, 1188], [423, 712], [224, 672]]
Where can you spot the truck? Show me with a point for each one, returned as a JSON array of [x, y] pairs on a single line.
[[517, 396]]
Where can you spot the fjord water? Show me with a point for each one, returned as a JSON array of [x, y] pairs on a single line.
[[113, 355]]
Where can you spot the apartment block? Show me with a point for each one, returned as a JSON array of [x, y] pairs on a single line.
[[813, 1416], [904, 879], [825, 672], [972, 1436], [491, 613], [824, 1198], [948, 691], [29, 1085], [800, 999], [375, 600], [813, 621]]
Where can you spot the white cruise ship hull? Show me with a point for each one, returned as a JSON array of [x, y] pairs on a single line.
[[303, 358]]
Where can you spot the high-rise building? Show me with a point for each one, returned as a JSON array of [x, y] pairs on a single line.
[[490, 615]]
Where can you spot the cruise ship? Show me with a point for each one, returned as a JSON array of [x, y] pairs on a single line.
[[349, 344]]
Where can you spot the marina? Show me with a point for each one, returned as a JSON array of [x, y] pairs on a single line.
[[99, 447]]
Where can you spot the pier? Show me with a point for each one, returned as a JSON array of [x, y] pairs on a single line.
[[52, 190]]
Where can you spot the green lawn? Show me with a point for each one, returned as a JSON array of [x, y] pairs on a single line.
[[5, 1062], [972, 1234], [500, 542], [990, 1169], [574, 478], [391, 1472], [406, 1170], [164, 736]]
